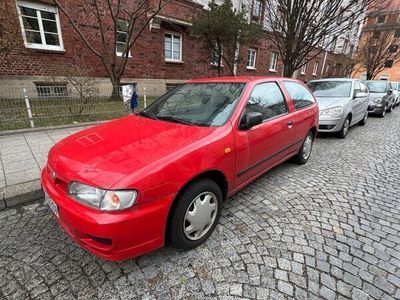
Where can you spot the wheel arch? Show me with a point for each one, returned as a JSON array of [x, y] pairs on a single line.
[[217, 176]]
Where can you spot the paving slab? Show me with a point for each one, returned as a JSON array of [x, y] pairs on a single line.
[[22, 156]]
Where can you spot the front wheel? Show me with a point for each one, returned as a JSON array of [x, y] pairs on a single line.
[[383, 113], [345, 128], [195, 214], [364, 120], [305, 151]]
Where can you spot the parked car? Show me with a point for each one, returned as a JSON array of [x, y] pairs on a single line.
[[382, 97], [396, 92], [343, 102], [124, 188]]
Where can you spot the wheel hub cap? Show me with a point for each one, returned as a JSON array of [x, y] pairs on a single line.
[[200, 216], [307, 147]]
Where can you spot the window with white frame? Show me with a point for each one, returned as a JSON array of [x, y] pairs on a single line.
[[173, 47], [215, 55], [315, 69], [251, 58], [40, 26], [257, 10], [303, 69], [122, 36], [273, 64]]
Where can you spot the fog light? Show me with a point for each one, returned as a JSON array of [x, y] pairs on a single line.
[[379, 105]]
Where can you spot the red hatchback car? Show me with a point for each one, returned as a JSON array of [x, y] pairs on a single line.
[[124, 188]]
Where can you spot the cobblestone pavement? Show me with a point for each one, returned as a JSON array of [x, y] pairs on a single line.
[[329, 229]]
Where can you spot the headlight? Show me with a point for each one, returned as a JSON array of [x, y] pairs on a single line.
[[378, 100], [332, 112], [102, 199]]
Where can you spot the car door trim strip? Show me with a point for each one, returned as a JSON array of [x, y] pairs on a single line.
[[266, 159]]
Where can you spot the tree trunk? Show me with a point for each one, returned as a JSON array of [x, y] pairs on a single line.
[[369, 76], [288, 70], [116, 90]]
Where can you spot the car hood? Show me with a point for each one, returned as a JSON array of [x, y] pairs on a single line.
[[328, 102], [377, 95], [104, 154]]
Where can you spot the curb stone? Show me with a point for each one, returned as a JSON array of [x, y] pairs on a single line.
[[20, 193]]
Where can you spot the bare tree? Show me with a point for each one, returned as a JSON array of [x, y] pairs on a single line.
[[119, 25], [82, 87], [301, 30], [377, 50]]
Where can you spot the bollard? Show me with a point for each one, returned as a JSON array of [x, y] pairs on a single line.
[[28, 107], [144, 97]]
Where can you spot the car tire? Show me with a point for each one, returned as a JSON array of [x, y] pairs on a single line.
[[189, 201], [305, 151], [383, 113], [364, 120], [345, 128]]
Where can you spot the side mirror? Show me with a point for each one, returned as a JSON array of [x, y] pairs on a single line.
[[390, 91], [360, 95], [250, 120]]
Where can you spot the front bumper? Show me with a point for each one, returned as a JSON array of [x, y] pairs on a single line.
[[112, 236], [327, 124], [374, 109]]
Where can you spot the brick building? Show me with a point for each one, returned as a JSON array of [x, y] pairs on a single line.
[[378, 20], [164, 55]]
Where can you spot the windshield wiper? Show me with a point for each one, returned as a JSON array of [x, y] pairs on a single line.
[[175, 119], [147, 115]]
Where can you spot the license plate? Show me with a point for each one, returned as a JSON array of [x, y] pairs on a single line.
[[51, 203]]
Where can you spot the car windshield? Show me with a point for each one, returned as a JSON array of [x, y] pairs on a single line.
[[204, 104], [339, 89], [376, 86]]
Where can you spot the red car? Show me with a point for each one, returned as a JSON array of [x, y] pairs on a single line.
[[126, 187]]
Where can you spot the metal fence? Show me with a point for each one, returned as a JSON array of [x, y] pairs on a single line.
[[61, 104]]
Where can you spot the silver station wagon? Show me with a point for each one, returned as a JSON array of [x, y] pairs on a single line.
[[343, 102]]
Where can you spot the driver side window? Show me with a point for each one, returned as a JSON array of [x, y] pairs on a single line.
[[268, 100]]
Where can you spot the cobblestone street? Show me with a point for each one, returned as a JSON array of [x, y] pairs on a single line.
[[328, 229]]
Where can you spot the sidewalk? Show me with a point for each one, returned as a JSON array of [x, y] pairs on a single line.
[[22, 156]]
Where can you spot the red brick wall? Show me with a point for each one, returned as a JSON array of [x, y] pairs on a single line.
[[147, 55]]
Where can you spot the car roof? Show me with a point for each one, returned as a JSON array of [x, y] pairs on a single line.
[[239, 79], [334, 79]]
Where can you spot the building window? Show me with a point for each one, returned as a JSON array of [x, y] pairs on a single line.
[[257, 11], [315, 69], [345, 45], [273, 64], [333, 44], [389, 63], [215, 56], [303, 69], [40, 26], [251, 58], [363, 76], [173, 47], [122, 35], [381, 19], [397, 33], [51, 89]]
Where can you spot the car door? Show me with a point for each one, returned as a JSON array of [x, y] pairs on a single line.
[[304, 104], [357, 103], [263, 146], [365, 104]]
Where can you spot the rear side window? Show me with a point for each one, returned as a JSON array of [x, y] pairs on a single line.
[[357, 88], [301, 97], [268, 100]]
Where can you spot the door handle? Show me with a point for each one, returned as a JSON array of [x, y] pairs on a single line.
[[290, 124]]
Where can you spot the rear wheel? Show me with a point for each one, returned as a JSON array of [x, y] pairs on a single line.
[[345, 128], [305, 151], [194, 214]]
